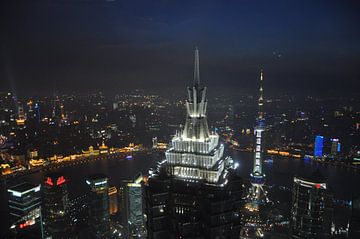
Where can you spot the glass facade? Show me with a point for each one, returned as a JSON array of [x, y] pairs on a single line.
[[98, 199], [311, 213], [55, 208], [319, 145]]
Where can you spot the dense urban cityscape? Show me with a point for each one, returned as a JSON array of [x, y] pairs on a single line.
[[190, 159]]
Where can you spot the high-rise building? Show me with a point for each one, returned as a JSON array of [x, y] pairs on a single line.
[[98, 198], [194, 192], [318, 146], [311, 213], [55, 206], [113, 200], [335, 147], [24, 204], [21, 116], [133, 206]]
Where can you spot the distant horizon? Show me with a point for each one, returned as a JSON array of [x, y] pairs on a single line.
[[89, 45]]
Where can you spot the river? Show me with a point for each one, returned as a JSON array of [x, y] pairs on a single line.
[[342, 181]]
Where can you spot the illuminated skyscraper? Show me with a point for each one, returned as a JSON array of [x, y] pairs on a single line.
[[319, 145], [55, 208], [133, 206], [311, 213], [335, 147], [21, 116], [194, 192], [24, 204], [98, 198], [113, 200]]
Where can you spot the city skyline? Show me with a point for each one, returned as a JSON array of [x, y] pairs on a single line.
[[111, 128]]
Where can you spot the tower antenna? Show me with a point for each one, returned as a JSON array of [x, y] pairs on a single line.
[[196, 68]]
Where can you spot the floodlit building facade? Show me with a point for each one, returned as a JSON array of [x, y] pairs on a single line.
[[195, 191]]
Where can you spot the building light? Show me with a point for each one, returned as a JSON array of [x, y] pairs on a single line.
[[101, 183], [60, 180], [49, 181]]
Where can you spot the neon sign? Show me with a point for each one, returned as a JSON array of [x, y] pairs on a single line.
[[60, 180], [49, 181]]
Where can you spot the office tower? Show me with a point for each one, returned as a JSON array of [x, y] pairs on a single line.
[[21, 116], [24, 204], [37, 112], [335, 147], [194, 192], [113, 200], [318, 146], [98, 199], [116, 102], [354, 225], [311, 213], [133, 206], [58, 108], [55, 207]]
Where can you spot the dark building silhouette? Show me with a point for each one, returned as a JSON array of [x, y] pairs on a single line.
[[194, 192], [55, 207], [312, 209], [354, 227], [98, 200]]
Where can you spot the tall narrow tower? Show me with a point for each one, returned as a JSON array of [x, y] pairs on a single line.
[[257, 177], [195, 191]]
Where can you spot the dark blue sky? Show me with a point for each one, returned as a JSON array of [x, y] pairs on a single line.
[[87, 45]]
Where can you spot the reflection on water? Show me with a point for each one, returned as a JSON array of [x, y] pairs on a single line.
[[280, 172]]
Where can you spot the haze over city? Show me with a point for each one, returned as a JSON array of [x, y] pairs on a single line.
[[179, 119], [90, 45]]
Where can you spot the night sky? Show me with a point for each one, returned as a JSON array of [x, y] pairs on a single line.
[[119, 45]]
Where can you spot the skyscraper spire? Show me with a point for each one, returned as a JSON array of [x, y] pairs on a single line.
[[261, 99], [196, 68]]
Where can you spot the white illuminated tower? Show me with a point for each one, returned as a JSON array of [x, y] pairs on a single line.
[[257, 177], [196, 154], [195, 192]]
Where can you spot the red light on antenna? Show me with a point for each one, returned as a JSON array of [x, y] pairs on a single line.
[[49, 181], [318, 186], [60, 180]]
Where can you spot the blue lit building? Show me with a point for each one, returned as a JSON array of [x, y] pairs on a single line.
[[319, 145]]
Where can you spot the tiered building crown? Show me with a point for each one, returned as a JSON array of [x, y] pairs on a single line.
[[196, 154]]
